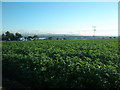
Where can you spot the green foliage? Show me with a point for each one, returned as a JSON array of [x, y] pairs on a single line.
[[18, 36], [11, 37], [59, 63]]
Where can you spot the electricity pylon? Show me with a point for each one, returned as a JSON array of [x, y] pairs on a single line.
[[94, 29]]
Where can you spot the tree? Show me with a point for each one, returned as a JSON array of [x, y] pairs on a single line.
[[29, 37], [12, 37], [3, 37], [18, 36], [64, 38], [49, 38], [35, 37], [9, 36]]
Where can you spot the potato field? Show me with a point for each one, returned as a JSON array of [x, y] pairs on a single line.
[[61, 64]]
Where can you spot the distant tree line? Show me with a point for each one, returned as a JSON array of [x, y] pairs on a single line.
[[8, 36], [35, 37]]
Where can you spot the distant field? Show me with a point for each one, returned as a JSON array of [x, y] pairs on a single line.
[[61, 63]]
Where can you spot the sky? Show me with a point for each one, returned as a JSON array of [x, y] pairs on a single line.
[[60, 18], [59, 0]]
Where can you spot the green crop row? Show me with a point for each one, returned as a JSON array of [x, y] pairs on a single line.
[[61, 64]]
